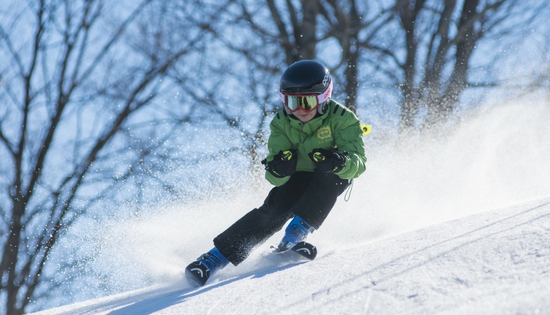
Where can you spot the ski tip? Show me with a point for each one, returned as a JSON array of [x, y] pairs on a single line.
[[305, 250], [197, 274]]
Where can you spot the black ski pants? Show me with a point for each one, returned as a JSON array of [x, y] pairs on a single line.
[[310, 195]]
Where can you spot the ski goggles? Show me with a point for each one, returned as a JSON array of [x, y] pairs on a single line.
[[307, 102]]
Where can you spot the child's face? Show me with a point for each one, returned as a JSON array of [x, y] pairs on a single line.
[[304, 116]]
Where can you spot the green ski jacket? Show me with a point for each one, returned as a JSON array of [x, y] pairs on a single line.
[[337, 129]]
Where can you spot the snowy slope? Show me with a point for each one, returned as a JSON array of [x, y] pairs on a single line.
[[453, 224], [496, 262]]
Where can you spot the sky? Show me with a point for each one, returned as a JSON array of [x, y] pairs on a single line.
[[452, 223]]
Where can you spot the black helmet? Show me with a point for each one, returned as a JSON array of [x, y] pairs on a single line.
[[307, 77]]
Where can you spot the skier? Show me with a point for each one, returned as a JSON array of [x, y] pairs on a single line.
[[315, 150]]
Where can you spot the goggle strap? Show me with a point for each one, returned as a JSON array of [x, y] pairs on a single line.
[[321, 98]]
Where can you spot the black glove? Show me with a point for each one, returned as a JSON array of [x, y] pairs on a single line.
[[283, 164], [328, 160]]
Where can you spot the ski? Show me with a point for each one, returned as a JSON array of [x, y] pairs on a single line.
[[304, 249], [197, 274]]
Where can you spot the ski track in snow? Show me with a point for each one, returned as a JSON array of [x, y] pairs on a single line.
[[497, 262]]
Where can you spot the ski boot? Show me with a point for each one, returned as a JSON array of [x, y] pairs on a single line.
[[296, 232], [206, 265]]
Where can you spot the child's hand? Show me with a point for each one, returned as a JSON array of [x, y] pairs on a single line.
[[328, 160], [283, 164]]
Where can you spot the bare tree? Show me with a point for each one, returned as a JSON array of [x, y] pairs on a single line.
[[296, 28], [353, 24], [438, 41], [238, 78], [78, 116]]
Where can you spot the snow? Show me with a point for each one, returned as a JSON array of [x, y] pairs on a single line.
[[453, 226], [497, 262]]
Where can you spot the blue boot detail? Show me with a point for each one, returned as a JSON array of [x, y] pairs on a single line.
[[296, 232], [206, 265]]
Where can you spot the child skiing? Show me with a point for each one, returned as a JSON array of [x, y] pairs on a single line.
[[315, 150]]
